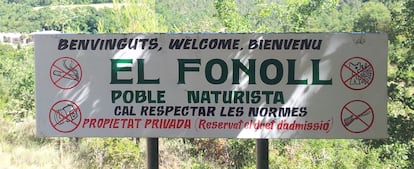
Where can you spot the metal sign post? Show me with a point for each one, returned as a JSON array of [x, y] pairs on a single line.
[[262, 153], [152, 150]]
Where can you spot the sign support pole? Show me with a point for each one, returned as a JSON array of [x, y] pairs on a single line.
[[262, 153], [152, 150]]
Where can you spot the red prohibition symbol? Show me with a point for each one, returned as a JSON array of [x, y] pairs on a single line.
[[65, 116], [357, 116], [357, 73], [65, 73]]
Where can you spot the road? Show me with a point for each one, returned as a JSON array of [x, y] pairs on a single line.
[[96, 6]]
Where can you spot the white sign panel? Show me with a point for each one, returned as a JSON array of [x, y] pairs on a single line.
[[313, 85]]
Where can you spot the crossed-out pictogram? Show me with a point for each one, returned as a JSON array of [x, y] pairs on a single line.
[[65, 73], [65, 116], [357, 73], [357, 116]]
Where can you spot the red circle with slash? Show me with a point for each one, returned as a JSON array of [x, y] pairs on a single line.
[[65, 73], [357, 73], [357, 116], [65, 116]]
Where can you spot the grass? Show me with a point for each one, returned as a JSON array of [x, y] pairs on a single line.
[[42, 157], [19, 148]]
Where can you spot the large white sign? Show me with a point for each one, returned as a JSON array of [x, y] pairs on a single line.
[[313, 85]]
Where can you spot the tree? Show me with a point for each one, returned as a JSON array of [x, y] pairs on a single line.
[[286, 16], [228, 14], [372, 17], [184, 16], [398, 149], [16, 72], [133, 16]]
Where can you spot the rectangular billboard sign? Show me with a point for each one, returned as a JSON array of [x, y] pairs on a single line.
[[304, 85]]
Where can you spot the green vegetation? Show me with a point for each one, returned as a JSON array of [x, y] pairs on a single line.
[[20, 148]]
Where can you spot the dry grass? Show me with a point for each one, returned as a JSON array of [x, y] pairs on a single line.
[[43, 157], [19, 150]]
